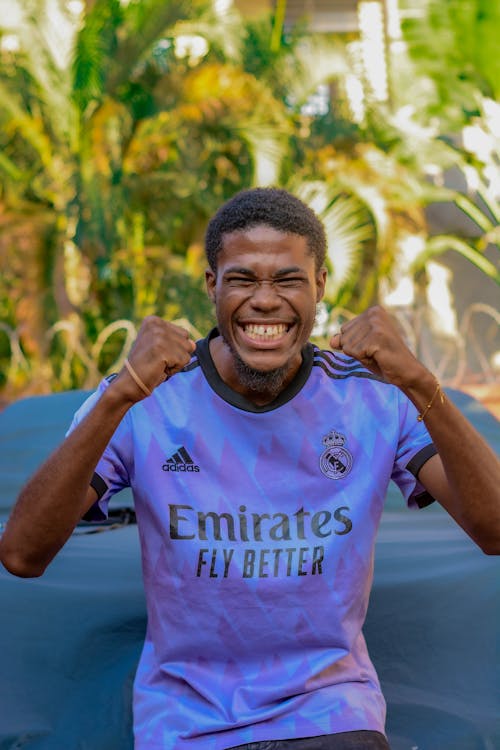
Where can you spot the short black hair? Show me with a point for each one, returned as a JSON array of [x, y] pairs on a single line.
[[274, 207]]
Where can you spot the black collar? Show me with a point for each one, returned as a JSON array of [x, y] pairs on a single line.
[[236, 399]]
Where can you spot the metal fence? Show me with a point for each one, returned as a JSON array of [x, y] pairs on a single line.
[[472, 355]]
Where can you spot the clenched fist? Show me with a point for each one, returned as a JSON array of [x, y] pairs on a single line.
[[374, 339], [160, 350]]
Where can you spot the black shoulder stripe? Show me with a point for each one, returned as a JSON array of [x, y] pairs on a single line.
[[194, 363], [424, 500], [341, 368], [333, 359], [415, 464], [99, 485], [350, 374]]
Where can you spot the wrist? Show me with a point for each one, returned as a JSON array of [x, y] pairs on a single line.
[[122, 392], [425, 393], [135, 377], [412, 377]]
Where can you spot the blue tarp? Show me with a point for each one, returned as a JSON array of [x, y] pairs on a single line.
[[71, 639]]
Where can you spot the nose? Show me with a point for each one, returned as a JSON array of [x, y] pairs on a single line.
[[264, 296]]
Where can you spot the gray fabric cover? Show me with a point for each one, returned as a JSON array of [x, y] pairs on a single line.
[[71, 639]]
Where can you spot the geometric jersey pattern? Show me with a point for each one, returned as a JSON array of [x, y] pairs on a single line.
[[258, 566]]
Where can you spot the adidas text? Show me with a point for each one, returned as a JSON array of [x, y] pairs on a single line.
[[180, 467]]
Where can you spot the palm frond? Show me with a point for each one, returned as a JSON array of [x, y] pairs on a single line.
[[239, 106], [490, 200], [465, 204], [31, 128], [268, 147], [317, 60], [441, 243], [453, 44], [95, 45], [222, 31], [10, 169], [346, 225], [144, 23], [45, 53], [373, 198]]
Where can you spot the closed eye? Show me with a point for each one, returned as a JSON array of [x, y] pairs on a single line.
[[240, 281], [290, 281]]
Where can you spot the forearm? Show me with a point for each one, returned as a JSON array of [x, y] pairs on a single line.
[[58, 495], [471, 493], [465, 476]]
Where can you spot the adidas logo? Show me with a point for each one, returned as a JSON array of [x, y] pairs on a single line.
[[180, 461]]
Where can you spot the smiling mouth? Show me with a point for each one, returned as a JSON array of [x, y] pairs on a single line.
[[260, 332]]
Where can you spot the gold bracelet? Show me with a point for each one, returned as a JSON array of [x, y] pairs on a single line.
[[442, 398], [137, 379]]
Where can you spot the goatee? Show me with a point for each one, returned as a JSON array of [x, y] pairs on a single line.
[[268, 382]]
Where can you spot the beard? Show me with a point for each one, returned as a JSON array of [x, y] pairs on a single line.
[[268, 382]]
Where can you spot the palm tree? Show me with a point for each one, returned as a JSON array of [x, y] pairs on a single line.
[[126, 152]]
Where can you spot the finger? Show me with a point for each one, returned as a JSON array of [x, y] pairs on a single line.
[[175, 362], [365, 350], [360, 342], [183, 336], [336, 341]]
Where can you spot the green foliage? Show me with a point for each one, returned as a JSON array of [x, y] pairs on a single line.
[[455, 44], [96, 44], [118, 151]]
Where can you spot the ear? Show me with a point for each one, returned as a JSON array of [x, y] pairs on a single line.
[[320, 283], [210, 282]]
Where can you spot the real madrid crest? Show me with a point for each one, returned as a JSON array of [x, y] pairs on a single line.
[[336, 461]]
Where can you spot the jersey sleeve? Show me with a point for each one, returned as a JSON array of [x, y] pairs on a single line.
[[415, 447], [111, 474]]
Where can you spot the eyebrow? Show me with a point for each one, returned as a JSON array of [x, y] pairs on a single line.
[[277, 275]]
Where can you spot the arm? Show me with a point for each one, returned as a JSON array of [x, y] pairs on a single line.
[[465, 475], [58, 495]]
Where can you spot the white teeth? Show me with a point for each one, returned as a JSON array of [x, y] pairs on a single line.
[[266, 332]]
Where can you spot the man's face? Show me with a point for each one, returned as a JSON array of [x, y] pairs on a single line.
[[265, 291]]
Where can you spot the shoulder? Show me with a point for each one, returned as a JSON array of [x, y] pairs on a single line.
[[339, 366]]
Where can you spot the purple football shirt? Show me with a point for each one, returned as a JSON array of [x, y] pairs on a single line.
[[257, 527]]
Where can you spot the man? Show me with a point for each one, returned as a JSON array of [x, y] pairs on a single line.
[[259, 466]]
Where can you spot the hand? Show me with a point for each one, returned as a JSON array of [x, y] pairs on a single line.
[[160, 350], [374, 339]]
